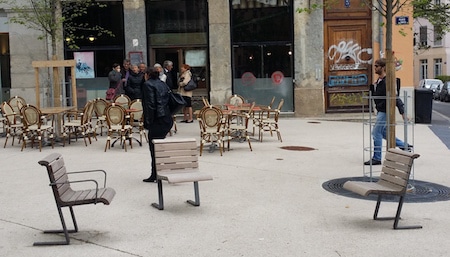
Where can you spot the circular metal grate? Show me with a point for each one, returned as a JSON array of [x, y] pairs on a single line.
[[298, 148], [419, 191]]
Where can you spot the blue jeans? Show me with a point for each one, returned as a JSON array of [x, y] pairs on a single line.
[[379, 133]]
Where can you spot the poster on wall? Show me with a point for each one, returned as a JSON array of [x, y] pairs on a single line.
[[196, 58], [84, 68]]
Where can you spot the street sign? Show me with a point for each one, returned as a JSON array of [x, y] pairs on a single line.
[[401, 20]]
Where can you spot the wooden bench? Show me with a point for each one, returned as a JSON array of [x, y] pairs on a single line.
[[393, 181], [177, 162], [65, 196]]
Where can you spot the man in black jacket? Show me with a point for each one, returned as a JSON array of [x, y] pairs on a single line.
[[378, 90], [171, 78], [157, 117]]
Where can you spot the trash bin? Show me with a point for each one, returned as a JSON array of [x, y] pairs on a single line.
[[423, 105]]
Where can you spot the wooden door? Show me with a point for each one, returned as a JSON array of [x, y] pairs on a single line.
[[348, 61]]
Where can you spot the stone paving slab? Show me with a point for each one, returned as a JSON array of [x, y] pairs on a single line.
[[268, 202]]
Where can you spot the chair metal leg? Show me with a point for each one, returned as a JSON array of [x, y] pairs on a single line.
[[197, 196], [160, 205], [64, 230], [377, 208], [397, 217]]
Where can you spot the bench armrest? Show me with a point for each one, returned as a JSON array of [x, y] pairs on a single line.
[[80, 181], [90, 171]]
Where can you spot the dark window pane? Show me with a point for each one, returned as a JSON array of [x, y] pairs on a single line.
[[262, 24], [177, 16], [109, 17]]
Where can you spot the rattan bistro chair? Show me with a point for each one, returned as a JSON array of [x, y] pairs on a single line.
[[137, 118], [100, 105], [117, 127], [212, 127], [12, 125], [34, 127], [238, 126], [82, 125], [268, 121], [122, 100]]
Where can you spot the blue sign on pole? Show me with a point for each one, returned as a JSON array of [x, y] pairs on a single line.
[[401, 20]]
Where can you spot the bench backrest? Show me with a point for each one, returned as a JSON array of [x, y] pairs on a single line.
[[397, 168], [175, 154], [57, 175]]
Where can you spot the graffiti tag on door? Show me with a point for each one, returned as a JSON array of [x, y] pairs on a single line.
[[349, 55]]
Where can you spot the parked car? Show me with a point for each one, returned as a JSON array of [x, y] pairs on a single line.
[[436, 88], [426, 83], [444, 94]]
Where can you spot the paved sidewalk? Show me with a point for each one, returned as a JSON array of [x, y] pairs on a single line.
[[268, 202]]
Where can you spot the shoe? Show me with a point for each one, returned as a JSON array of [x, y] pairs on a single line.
[[190, 121], [149, 180], [372, 162], [184, 121], [409, 148]]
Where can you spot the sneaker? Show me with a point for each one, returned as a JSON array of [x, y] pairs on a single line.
[[372, 162], [409, 148]]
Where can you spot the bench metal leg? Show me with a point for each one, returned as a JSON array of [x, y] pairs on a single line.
[[159, 206], [397, 215], [64, 230], [197, 195]]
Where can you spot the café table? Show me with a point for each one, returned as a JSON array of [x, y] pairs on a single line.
[[57, 115]]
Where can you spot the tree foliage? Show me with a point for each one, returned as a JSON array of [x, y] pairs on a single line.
[[57, 19], [437, 14]]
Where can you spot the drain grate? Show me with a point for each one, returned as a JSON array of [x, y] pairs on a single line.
[[298, 148], [421, 191]]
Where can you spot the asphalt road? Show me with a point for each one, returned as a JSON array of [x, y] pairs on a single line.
[[440, 121]]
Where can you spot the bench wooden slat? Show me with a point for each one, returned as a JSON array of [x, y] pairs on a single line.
[[187, 152], [395, 172], [181, 177]]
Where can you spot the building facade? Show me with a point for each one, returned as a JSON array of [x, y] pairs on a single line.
[[432, 52], [318, 62]]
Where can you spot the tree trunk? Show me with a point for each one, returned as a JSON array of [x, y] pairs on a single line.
[[390, 79]]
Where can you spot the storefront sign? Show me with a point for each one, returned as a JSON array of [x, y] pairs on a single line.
[[277, 77]]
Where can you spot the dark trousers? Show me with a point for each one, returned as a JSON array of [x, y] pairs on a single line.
[[158, 130]]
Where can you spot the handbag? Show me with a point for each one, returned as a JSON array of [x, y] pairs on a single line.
[[110, 93], [176, 102], [191, 85]]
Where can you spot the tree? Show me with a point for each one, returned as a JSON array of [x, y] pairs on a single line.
[[388, 9], [55, 19]]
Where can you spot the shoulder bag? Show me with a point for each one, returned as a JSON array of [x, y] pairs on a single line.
[[176, 102], [191, 85]]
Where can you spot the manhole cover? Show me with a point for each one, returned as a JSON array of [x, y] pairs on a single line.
[[421, 192], [297, 148]]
